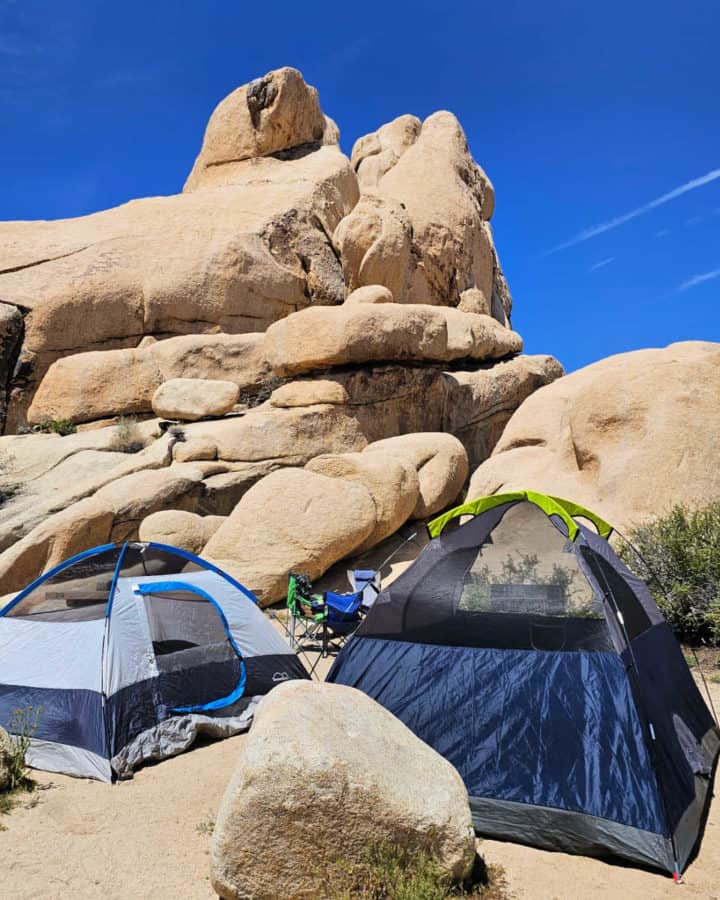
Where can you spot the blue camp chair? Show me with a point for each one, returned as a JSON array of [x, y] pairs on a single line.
[[367, 583], [321, 622]]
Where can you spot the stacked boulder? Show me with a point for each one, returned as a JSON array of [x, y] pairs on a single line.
[[264, 335]]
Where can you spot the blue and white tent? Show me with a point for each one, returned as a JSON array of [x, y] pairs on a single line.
[[130, 651]]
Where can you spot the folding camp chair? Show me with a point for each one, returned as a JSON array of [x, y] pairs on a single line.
[[367, 582], [320, 623]]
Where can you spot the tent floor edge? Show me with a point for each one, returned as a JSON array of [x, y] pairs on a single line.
[[66, 759], [569, 832]]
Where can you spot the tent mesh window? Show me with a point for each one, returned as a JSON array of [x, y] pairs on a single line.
[[77, 593], [143, 559], [524, 589], [508, 579], [196, 662]]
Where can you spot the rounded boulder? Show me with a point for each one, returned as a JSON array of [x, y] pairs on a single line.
[[392, 482], [324, 775], [190, 399], [441, 462]]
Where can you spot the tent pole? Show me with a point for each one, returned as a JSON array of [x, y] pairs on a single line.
[[395, 552]]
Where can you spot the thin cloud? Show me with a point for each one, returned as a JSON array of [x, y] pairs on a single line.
[[664, 232], [699, 279], [692, 221], [603, 262], [633, 214]]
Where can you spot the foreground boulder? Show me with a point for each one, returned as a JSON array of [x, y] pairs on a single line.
[[324, 775], [627, 436]]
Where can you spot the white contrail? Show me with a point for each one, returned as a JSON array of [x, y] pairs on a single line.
[[633, 214], [603, 262], [699, 279]]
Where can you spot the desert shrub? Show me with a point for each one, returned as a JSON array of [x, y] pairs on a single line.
[[23, 726], [679, 558], [391, 873], [62, 427], [127, 437], [206, 827]]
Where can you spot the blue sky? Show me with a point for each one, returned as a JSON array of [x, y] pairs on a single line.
[[582, 115]]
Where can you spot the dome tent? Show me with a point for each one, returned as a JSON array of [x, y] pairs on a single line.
[[521, 648], [131, 650]]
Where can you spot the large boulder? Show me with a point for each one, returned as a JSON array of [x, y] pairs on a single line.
[[190, 399], [627, 436], [232, 256], [316, 338], [291, 521], [179, 528], [270, 114], [422, 225], [392, 482], [124, 381], [441, 463], [375, 242], [325, 775]]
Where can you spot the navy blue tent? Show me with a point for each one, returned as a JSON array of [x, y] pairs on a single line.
[[522, 649]]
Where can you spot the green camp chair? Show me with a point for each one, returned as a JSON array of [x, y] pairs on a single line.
[[307, 610]]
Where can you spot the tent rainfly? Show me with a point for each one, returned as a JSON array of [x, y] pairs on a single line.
[[128, 652], [522, 649]]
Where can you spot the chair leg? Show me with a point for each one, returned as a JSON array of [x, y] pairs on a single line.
[[293, 642]]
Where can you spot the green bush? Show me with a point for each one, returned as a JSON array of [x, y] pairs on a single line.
[[23, 726], [58, 426], [679, 558]]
